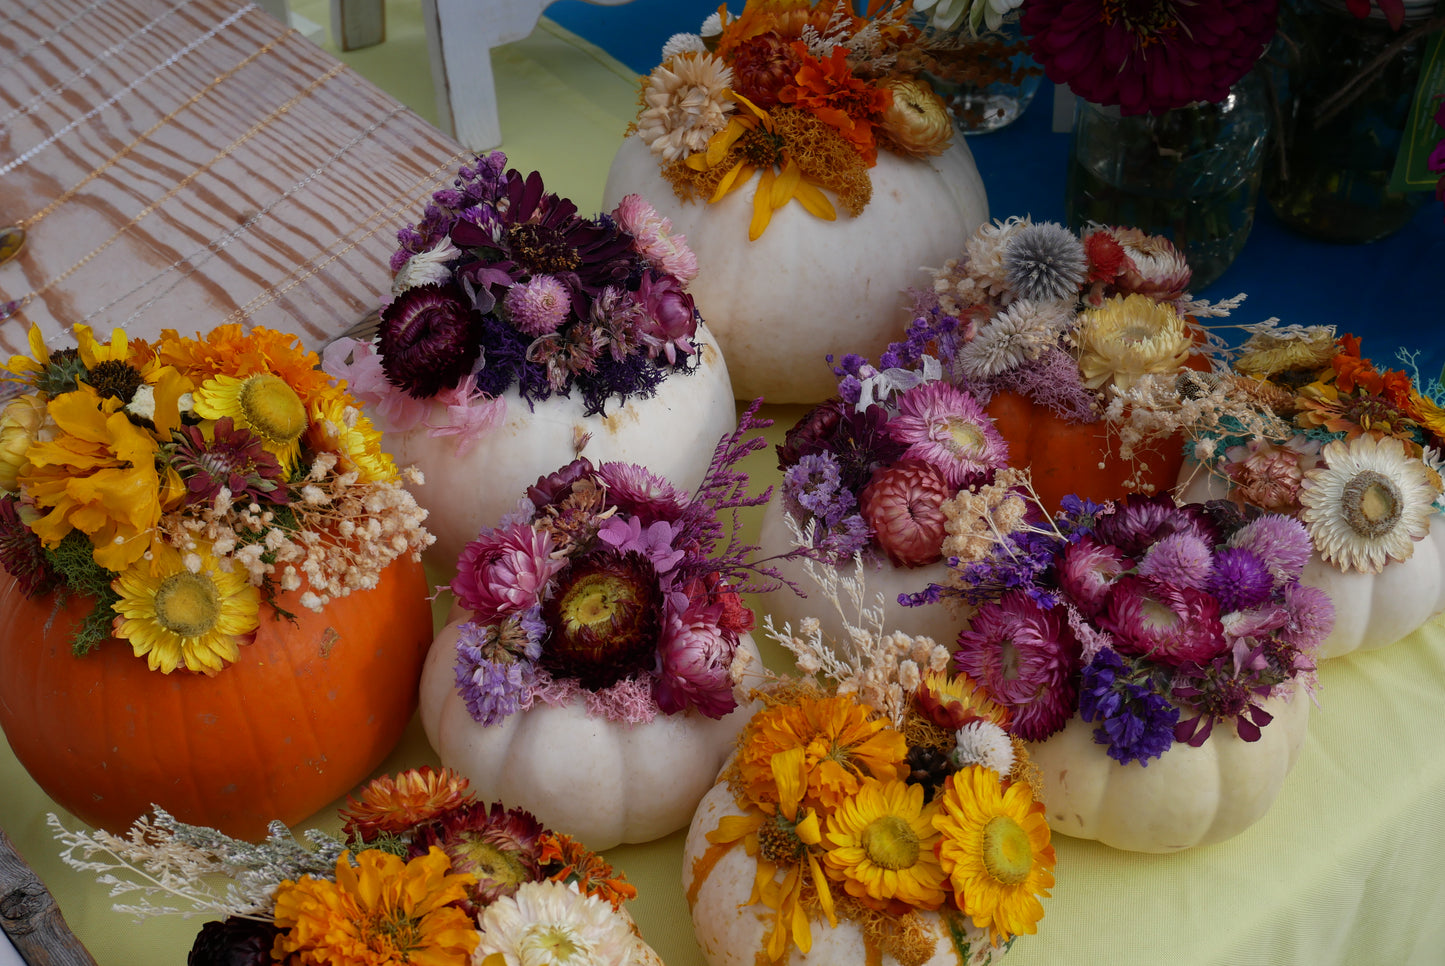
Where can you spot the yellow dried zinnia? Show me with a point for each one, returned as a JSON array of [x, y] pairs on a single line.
[[382, 912], [1129, 337], [996, 851], [881, 845], [177, 616]]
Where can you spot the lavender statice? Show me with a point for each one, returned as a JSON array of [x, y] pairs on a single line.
[[1135, 720], [1025, 561], [496, 667], [813, 483], [933, 333]]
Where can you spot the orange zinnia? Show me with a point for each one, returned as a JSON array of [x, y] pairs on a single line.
[[829, 90], [233, 350]]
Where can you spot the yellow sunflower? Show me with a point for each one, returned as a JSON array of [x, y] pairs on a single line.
[[263, 404], [381, 912], [98, 475], [37, 362], [882, 846], [995, 851], [175, 616], [841, 744], [121, 348], [785, 839], [338, 426]]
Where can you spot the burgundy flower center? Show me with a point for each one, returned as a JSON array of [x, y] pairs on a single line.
[[542, 250]]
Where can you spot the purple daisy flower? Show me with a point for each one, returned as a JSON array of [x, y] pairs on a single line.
[[1027, 659], [1281, 542], [1171, 625], [948, 428]]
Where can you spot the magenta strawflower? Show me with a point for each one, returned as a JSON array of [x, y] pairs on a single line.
[[539, 305], [1027, 659], [1166, 624], [696, 658], [637, 490], [669, 316], [505, 571], [903, 504], [1148, 55], [428, 339], [1139, 522], [1087, 570], [947, 427]]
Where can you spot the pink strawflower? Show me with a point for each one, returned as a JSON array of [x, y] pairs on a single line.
[[470, 414], [1269, 475], [358, 364], [505, 571], [1311, 616], [1088, 569], [1027, 659], [671, 317], [539, 305], [1179, 560], [1281, 542], [696, 658], [638, 491], [1170, 625], [654, 239], [946, 427], [903, 504]]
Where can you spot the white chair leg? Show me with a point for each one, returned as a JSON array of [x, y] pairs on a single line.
[[357, 23]]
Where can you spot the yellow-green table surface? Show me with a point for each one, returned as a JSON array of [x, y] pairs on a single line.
[[1348, 867]]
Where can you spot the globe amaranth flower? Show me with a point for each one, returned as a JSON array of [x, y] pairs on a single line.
[[1240, 579], [1135, 720], [1141, 521], [505, 571], [1170, 625], [539, 305], [948, 428], [1311, 616], [1148, 56], [1179, 560], [429, 339], [903, 504], [1027, 659], [1281, 542], [696, 660], [501, 847], [1086, 571]]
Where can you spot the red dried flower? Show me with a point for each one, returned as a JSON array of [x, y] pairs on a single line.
[[904, 506]]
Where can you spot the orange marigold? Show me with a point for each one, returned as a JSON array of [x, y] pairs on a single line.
[[830, 90], [233, 350]]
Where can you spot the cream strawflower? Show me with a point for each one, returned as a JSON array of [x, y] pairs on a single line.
[[1125, 338], [1291, 347], [916, 120], [552, 924], [984, 743], [1368, 504], [687, 103], [427, 268]]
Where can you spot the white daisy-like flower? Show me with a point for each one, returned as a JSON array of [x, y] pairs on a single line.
[[984, 743], [552, 924], [682, 44], [426, 268], [1435, 459], [687, 103], [1368, 504], [712, 26], [1019, 334]]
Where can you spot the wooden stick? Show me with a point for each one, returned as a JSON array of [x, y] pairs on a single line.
[[30, 917]]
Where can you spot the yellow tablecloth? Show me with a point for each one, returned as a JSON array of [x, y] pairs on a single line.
[[1346, 869]]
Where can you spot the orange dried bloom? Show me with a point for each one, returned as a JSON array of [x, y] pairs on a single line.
[[568, 860], [830, 91], [390, 805]]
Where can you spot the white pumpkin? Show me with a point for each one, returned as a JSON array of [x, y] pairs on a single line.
[[1371, 610], [604, 782], [810, 287], [1185, 798], [673, 433], [942, 622], [731, 933]]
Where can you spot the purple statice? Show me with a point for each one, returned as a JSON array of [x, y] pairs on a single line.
[[1240, 579], [496, 665], [1216, 691], [1281, 542], [1078, 514], [1025, 562], [477, 187], [928, 334], [851, 370], [813, 483], [841, 539], [1135, 719]]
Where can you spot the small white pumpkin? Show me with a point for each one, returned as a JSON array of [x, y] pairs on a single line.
[[942, 622], [1185, 798], [731, 933], [673, 433], [810, 287], [1371, 610], [605, 782]]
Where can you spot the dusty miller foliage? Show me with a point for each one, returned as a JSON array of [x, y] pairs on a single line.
[[162, 860]]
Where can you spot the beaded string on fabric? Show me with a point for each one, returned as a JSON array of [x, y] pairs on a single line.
[[9, 309], [19, 55], [30, 106]]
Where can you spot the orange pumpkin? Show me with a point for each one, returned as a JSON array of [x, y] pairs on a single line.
[[308, 711], [1078, 458]]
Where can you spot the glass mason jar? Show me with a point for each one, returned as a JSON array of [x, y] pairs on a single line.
[[1329, 174], [1191, 174], [990, 79]]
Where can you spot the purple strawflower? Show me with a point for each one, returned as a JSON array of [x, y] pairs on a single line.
[[638, 491], [1138, 522], [505, 571], [813, 433], [429, 339], [1169, 625], [496, 666], [1311, 616], [814, 484], [1179, 560], [1023, 562], [1281, 542], [1027, 659], [1135, 720], [1240, 579]]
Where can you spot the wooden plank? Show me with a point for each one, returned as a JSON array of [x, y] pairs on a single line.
[[358, 23], [234, 209], [30, 916]]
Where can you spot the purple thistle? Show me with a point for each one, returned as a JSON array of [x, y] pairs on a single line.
[[1135, 719]]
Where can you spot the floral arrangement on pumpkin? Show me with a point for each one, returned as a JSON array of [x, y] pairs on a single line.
[[502, 285], [802, 93], [422, 872], [1157, 621], [1318, 432], [871, 470], [888, 791], [612, 585], [183, 483]]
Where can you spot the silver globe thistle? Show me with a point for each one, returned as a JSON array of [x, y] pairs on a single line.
[[1045, 262]]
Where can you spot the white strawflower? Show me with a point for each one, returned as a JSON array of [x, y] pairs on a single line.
[[682, 44], [687, 103], [712, 26], [984, 743], [426, 268], [552, 924]]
